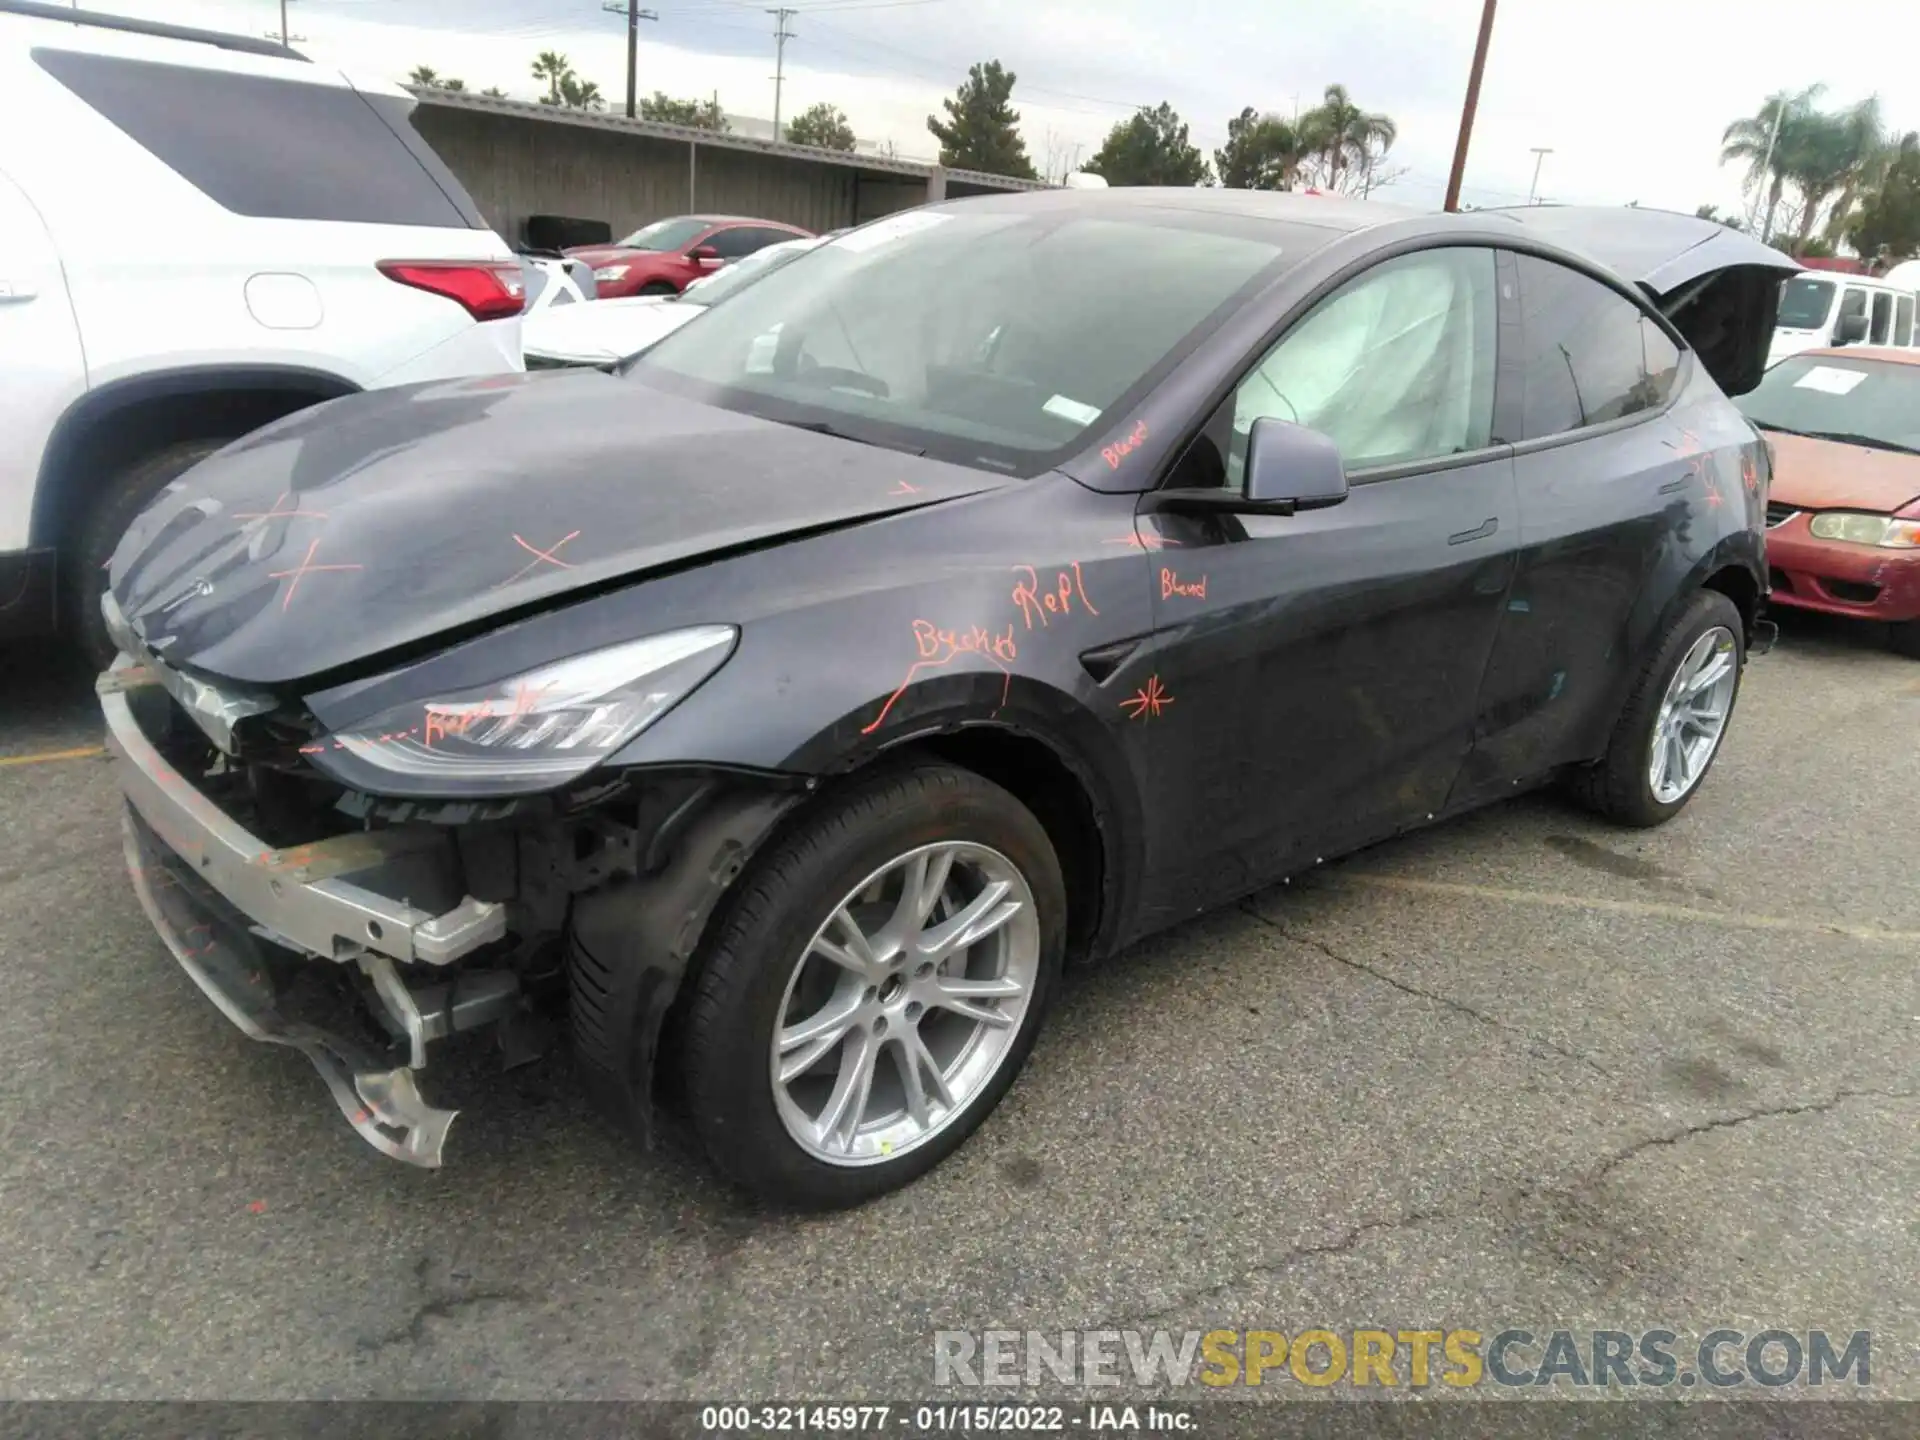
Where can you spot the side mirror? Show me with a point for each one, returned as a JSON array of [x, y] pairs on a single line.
[[1289, 468], [705, 256], [1851, 330], [1294, 466]]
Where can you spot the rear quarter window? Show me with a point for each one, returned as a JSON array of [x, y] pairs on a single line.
[[273, 148]]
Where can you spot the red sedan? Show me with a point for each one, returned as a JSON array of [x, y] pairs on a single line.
[[667, 256], [1843, 510]]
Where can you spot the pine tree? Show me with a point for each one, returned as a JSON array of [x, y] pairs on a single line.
[[981, 131], [822, 125], [1150, 148]]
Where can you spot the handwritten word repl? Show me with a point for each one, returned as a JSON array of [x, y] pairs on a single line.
[[1120, 449], [1171, 585], [938, 648], [1056, 599]]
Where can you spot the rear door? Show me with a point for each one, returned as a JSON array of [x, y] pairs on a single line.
[[1606, 475], [42, 366], [1332, 658]]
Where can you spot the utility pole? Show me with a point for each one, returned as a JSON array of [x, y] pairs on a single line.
[[631, 9], [780, 37], [1540, 153], [1473, 104], [1766, 167], [281, 35]]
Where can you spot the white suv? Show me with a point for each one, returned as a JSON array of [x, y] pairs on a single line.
[[200, 233]]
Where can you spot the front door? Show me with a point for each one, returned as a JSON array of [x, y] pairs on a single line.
[[1332, 659]]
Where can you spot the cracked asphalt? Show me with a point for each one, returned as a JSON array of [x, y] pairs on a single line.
[[1522, 1070]]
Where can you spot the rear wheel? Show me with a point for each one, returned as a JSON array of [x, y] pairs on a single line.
[[875, 988], [1670, 731], [121, 499]]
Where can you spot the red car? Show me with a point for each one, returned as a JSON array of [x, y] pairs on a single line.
[[665, 257], [1843, 509]]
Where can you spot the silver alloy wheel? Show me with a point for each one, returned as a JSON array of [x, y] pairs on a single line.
[[905, 1003], [1693, 715]]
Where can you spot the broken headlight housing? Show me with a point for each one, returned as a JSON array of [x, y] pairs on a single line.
[[530, 733]]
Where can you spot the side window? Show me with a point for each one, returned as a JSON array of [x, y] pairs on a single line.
[[1853, 302], [1395, 366], [272, 148], [1882, 318], [1903, 321], [735, 241], [1588, 354], [766, 236]]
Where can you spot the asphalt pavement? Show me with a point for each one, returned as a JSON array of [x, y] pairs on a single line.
[[1522, 1070]]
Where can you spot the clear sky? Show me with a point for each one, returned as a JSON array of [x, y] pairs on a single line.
[[1631, 96]]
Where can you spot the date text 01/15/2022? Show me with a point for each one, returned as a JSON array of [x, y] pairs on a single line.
[[945, 1419]]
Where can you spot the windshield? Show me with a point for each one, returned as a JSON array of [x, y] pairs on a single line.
[[1804, 304], [712, 289], [1868, 402], [991, 334], [666, 234]]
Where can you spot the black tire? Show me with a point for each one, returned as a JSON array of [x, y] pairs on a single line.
[[1618, 786], [1904, 639], [659, 287], [121, 499], [779, 904]]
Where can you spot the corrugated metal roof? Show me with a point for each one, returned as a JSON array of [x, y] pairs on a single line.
[[705, 139]]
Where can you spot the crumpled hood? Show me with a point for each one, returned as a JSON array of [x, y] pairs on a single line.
[[384, 519], [1818, 474]]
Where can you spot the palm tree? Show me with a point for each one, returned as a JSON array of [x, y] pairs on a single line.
[[552, 67], [1344, 134], [1825, 159], [577, 94], [1866, 139], [1762, 140]]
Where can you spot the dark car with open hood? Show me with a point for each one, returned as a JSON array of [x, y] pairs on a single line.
[[992, 586]]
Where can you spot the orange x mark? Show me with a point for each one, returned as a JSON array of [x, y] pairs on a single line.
[[550, 556], [305, 567], [276, 513]]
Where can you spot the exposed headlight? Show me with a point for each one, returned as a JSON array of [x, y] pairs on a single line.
[[1886, 531], [610, 272], [533, 732]]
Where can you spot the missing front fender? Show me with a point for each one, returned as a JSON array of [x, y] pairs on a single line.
[[629, 946]]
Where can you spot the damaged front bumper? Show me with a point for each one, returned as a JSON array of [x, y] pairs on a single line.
[[274, 936]]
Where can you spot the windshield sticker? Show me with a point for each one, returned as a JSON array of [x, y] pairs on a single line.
[[1830, 380], [1056, 599], [882, 232], [1069, 409], [1120, 449]]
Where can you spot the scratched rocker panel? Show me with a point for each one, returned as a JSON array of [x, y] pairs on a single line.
[[990, 587]]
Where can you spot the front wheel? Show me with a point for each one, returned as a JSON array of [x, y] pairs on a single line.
[[657, 288], [1673, 723], [875, 988], [1905, 639]]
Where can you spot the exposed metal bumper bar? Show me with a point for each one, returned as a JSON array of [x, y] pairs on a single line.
[[213, 892], [298, 894]]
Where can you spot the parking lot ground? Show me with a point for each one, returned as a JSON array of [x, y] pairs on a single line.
[[1520, 1070]]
